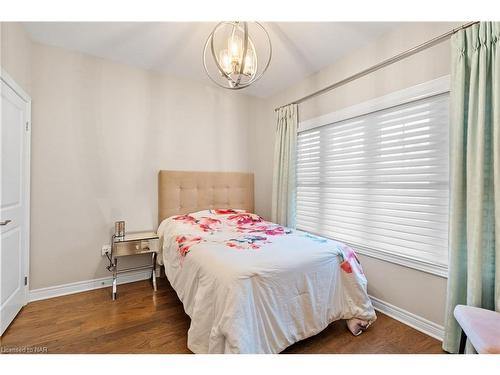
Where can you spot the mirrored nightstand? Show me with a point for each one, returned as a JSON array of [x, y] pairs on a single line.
[[135, 243]]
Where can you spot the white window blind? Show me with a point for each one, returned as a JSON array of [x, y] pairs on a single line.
[[379, 181]]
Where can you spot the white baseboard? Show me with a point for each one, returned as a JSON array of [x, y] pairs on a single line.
[[85, 285], [421, 324]]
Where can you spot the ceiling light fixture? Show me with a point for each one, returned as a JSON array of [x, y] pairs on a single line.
[[230, 56]]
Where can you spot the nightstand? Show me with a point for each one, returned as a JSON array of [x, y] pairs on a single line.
[[133, 244]]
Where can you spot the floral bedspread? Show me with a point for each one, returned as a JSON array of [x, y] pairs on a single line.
[[252, 286], [242, 230]]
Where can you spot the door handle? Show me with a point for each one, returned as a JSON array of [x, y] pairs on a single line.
[[5, 222]]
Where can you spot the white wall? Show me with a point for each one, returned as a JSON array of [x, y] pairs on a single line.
[[418, 292], [15, 53], [101, 132]]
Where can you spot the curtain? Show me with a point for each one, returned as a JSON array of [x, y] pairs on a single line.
[[283, 199], [474, 229]]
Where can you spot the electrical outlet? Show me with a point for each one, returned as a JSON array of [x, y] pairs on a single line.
[[105, 249]]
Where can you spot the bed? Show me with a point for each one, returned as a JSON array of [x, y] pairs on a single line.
[[248, 285]]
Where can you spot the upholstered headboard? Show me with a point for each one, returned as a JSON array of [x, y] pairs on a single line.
[[181, 192]]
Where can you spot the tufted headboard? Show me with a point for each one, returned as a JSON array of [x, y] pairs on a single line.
[[181, 192]]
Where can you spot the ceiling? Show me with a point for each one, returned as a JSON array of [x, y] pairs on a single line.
[[299, 48]]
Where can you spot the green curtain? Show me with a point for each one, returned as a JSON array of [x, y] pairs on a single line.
[[283, 199], [474, 244]]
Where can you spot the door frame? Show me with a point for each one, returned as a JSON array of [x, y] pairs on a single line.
[[9, 81]]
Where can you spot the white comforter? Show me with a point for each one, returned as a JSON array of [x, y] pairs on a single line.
[[251, 286]]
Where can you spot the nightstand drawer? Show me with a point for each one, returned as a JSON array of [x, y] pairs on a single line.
[[135, 247]]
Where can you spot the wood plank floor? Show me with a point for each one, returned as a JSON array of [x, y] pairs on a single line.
[[141, 321]]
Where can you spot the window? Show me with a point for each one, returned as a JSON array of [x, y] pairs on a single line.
[[379, 181]]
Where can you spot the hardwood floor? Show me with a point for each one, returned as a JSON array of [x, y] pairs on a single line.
[[141, 321]]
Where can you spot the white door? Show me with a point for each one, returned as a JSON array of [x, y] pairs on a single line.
[[14, 200]]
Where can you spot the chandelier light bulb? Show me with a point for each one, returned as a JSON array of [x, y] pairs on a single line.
[[249, 69], [236, 48], [225, 61]]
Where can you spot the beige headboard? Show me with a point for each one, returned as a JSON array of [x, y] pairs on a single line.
[[181, 192]]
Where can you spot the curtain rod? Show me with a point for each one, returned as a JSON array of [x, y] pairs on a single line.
[[383, 64]]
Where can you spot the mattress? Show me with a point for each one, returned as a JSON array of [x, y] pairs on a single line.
[[252, 286]]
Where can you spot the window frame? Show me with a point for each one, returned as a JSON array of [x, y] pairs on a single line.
[[424, 90]]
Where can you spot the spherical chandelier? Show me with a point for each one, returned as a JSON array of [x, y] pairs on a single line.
[[237, 54]]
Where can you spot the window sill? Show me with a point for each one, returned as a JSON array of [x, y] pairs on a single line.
[[420, 265]]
